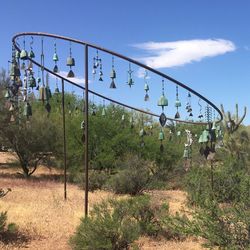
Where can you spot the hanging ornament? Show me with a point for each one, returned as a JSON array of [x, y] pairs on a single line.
[[27, 110], [100, 73], [24, 53], [57, 91], [161, 138], [130, 81], [113, 75], [31, 53], [55, 59], [12, 108], [131, 120], [146, 87], [70, 63], [93, 109], [200, 112], [32, 81], [47, 88], [163, 102], [177, 103]]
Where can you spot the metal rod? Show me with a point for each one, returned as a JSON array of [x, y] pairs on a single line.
[[86, 131], [64, 144]]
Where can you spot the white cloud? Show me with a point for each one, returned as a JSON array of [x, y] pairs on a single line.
[[171, 54], [77, 80], [141, 73]]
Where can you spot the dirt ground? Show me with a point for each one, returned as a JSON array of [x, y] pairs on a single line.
[[46, 221]]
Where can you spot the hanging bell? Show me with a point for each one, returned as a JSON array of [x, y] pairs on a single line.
[[31, 54], [12, 108], [178, 133], [191, 114], [146, 87], [113, 74], [70, 61], [23, 66], [112, 85], [56, 58], [27, 110], [103, 111], [7, 94], [214, 126], [142, 132], [38, 79], [200, 116], [12, 118], [177, 115], [93, 109], [130, 82], [55, 69], [123, 117], [100, 78], [24, 55], [71, 74], [186, 153], [14, 71], [146, 97], [161, 136], [57, 91], [94, 71], [32, 81], [163, 101], [48, 93], [17, 55], [163, 119], [177, 103]]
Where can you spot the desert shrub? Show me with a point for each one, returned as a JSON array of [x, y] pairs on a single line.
[[227, 228], [3, 219], [133, 178], [115, 224]]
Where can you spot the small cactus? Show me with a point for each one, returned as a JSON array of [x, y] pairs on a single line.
[[232, 122]]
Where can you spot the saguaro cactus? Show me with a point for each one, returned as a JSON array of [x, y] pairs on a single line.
[[232, 122]]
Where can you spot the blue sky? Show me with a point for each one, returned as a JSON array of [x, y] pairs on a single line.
[[205, 44]]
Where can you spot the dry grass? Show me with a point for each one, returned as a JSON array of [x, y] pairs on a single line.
[[38, 208]]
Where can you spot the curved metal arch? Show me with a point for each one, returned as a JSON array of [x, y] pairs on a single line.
[[42, 34]]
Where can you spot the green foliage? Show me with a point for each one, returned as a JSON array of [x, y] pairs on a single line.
[[115, 224], [133, 178]]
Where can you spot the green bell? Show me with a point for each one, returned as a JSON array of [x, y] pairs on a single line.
[[186, 153], [178, 133], [24, 55], [204, 136], [31, 54], [32, 81], [103, 111], [71, 74], [163, 101], [112, 74], [70, 61], [214, 126], [17, 55], [7, 94], [177, 115], [142, 132], [123, 117], [56, 58], [146, 87], [27, 110], [161, 136], [177, 103]]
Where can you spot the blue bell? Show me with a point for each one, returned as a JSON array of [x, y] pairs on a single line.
[[163, 101], [24, 55]]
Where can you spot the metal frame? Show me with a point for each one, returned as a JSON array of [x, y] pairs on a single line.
[[88, 45]]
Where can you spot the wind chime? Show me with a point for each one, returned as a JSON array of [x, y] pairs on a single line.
[[97, 64], [177, 103], [162, 102], [70, 63], [23, 56], [200, 111], [57, 91], [93, 106], [187, 155], [189, 105], [103, 108], [56, 59], [146, 86], [113, 75], [142, 132], [130, 81]]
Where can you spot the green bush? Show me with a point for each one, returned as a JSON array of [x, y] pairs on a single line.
[[115, 224], [133, 178]]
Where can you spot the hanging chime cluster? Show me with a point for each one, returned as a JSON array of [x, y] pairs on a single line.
[[97, 65]]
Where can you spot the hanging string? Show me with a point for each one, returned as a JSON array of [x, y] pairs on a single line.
[[42, 62]]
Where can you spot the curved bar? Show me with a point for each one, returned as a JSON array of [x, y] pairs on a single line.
[[124, 58]]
